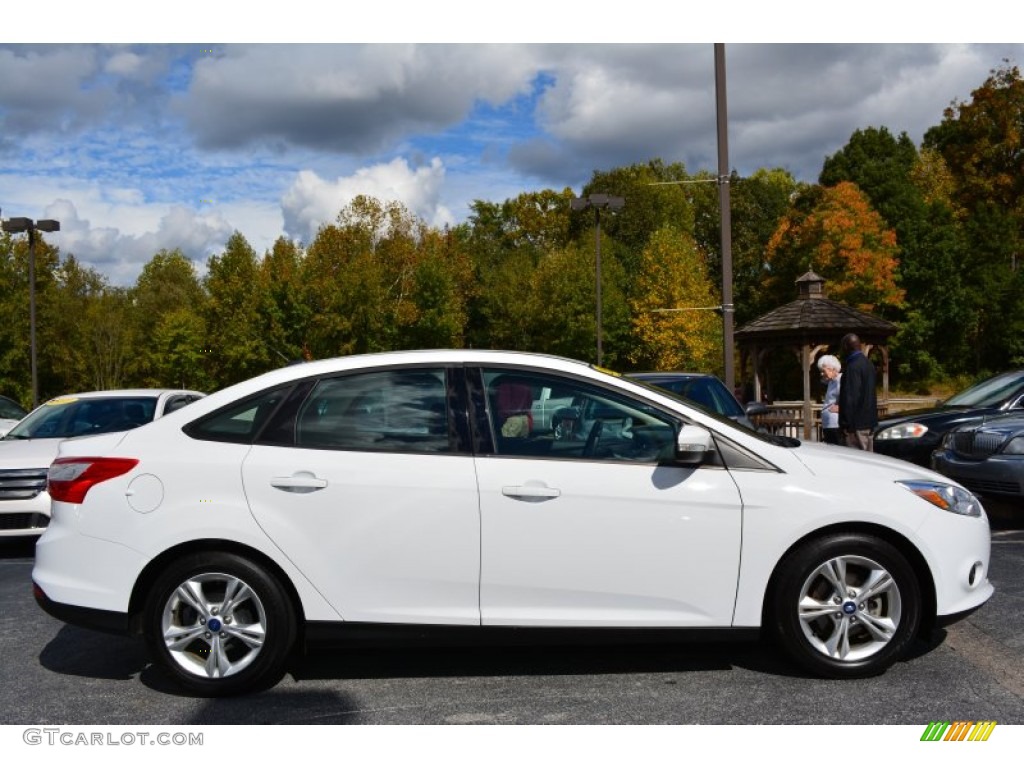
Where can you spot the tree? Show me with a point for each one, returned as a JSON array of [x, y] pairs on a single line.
[[66, 339], [167, 288], [506, 242], [234, 314], [110, 340], [15, 381], [654, 198], [835, 232], [560, 306], [286, 317], [907, 191], [757, 203], [440, 290], [981, 142], [381, 279], [673, 275]]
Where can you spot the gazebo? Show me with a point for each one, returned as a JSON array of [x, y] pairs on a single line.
[[808, 326]]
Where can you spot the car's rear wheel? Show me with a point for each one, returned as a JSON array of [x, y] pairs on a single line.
[[846, 605], [220, 624]]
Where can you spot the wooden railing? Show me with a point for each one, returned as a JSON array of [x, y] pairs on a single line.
[[787, 417]]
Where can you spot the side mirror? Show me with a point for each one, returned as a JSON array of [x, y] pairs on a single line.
[[755, 408], [692, 445]]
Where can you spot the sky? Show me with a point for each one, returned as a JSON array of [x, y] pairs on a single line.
[[138, 140]]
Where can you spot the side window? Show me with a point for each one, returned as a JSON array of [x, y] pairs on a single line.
[[240, 422], [544, 416], [392, 410], [175, 403]]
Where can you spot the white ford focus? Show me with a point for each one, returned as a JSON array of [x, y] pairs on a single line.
[[415, 491]]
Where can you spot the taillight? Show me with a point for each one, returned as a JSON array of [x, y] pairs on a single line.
[[71, 478]]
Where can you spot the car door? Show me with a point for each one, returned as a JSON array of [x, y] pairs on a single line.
[[365, 485], [600, 529]]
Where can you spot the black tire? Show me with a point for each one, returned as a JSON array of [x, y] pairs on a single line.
[[220, 624], [846, 605]]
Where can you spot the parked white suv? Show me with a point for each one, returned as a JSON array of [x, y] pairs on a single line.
[[10, 414], [27, 450]]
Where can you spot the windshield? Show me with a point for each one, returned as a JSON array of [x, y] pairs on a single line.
[[661, 384], [991, 392], [71, 417], [707, 392], [10, 410]]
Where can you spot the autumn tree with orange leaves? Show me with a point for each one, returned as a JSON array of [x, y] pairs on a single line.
[[836, 232]]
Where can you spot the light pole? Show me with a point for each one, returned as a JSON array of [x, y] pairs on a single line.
[[27, 225], [598, 202], [726, 215]]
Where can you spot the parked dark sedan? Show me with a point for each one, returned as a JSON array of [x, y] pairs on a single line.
[[914, 435], [986, 456], [704, 389]]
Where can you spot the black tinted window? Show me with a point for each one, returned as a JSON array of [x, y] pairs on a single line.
[[399, 410], [241, 422]]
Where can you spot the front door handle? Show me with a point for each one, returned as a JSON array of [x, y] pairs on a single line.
[[299, 483]]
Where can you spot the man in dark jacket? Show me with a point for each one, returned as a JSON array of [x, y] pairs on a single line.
[[858, 408]]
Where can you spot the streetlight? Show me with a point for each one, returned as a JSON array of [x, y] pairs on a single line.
[[27, 225], [598, 202]]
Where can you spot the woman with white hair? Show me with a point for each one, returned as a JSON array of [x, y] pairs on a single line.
[[831, 371]]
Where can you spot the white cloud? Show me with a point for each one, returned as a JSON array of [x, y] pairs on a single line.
[[120, 256], [124, 64], [312, 201]]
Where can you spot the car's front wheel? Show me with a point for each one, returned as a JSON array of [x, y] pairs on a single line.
[[220, 624], [846, 605]]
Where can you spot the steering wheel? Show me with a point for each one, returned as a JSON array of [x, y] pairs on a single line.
[[590, 447]]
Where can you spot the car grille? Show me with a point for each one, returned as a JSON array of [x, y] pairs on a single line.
[[23, 521], [21, 484], [976, 444]]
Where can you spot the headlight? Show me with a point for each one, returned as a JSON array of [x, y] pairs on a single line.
[[909, 431], [1015, 447], [951, 498]]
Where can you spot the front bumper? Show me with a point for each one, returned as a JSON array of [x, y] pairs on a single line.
[[1001, 476], [23, 517], [916, 451]]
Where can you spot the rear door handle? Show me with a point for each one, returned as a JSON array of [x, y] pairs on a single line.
[[531, 492], [299, 483]]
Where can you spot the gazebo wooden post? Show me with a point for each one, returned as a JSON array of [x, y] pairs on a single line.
[[805, 363], [808, 356]]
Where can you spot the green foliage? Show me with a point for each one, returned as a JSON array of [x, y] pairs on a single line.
[[757, 203], [674, 276], [234, 314], [653, 199], [167, 289], [909, 191]]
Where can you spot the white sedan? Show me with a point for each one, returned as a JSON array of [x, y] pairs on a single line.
[[414, 492]]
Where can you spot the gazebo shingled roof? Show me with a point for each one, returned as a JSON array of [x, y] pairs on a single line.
[[810, 324]]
